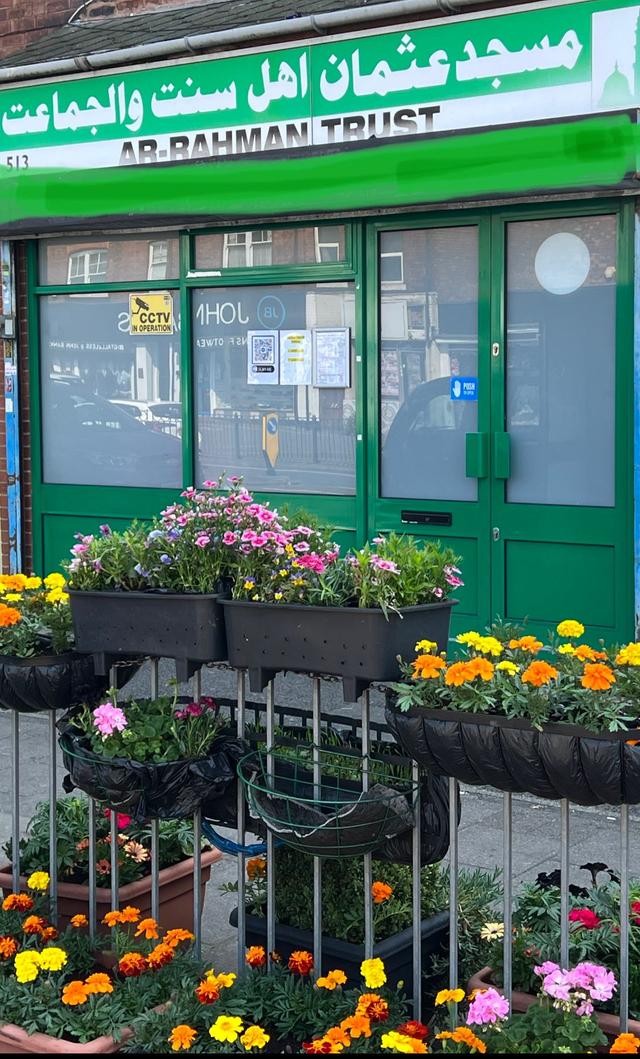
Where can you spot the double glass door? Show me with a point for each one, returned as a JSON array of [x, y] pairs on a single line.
[[504, 394]]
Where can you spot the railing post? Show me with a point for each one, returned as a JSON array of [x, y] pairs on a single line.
[[564, 882], [369, 939], [271, 867], [317, 863], [15, 799], [624, 918], [92, 868], [453, 884], [507, 878], [242, 911], [53, 819], [197, 848], [155, 824], [417, 895]]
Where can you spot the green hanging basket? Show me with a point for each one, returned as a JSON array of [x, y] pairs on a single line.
[[331, 815]]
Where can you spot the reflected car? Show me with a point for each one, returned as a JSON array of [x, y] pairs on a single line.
[[91, 441], [137, 409]]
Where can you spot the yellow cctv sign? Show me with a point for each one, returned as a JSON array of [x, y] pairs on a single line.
[[150, 314]]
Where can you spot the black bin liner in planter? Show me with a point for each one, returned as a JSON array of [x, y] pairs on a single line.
[[562, 761], [187, 626], [49, 682], [334, 818], [434, 827], [171, 790], [356, 643]]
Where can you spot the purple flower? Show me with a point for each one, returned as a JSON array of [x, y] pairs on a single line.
[[174, 534], [78, 549], [105, 530], [166, 559], [108, 719], [487, 1006], [97, 565], [153, 536], [139, 570]]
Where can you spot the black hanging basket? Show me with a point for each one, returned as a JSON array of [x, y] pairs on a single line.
[[187, 626], [335, 817], [48, 682], [171, 790], [356, 643], [562, 761]]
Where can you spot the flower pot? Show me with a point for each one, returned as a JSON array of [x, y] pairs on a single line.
[[356, 643], [396, 952], [562, 761], [170, 790], [521, 1002], [16, 1041], [48, 682], [187, 626], [176, 894]]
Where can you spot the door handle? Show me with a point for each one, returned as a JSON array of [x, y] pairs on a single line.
[[502, 454], [477, 455]]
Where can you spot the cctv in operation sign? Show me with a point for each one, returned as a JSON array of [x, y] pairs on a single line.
[[151, 314]]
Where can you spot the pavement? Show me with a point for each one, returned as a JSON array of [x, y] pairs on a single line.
[[594, 832]]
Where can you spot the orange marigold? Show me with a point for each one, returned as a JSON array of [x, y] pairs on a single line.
[[75, 993], [373, 1007], [597, 677], [256, 868], [428, 667], [539, 673], [112, 919], [33, 925], [98, 983], [130, 914], [181, 1037], [457, 674], [625, 1042], [8, 947], [132, 964], [584, 653], [480, 667], [356, 1026], [301, 962], [338, 1036], [463, 1035], [160, 955], [148, 927], [49, 934], [526, 643], [177, 935], [256, 956], [79, 921], [380, 892], [207, 992], [17, 903], [9, 616]]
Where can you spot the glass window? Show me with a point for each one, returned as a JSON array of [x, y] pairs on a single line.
[[263, 247], [111, 411], [428, 338], [561, 337], [312, 427], [109, 259]]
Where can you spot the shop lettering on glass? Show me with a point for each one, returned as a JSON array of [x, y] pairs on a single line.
[[522, 66]]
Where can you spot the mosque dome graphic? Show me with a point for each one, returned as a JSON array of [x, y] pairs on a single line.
[[616, 91], [620, 88]]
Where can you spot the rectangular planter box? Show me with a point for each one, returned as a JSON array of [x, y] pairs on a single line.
[[396, 952], [355, 643], [176, 894], [187, 626]]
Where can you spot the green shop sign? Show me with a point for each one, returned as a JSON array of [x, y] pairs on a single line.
[[464, 73]]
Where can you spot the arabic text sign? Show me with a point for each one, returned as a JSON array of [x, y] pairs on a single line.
[[151, 314], [523, 65]]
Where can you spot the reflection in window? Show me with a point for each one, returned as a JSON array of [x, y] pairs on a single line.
[[328, 242], [428, 338], [111, 412], [264, 247], [315, 425], [88, 266], [247, 249], [158, 259]]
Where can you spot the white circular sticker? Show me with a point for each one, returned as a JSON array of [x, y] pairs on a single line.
[[562, 263]]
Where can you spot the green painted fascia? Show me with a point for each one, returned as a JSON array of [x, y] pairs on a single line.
[[580, 153]]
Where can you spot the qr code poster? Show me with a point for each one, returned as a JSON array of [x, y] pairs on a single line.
[[263, 361]]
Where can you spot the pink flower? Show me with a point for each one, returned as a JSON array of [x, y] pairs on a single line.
[[450, 576], [194, 709], [487, 1006], [202, 540], [229, 537], [123, 820], [78, 549], [302, 546], [548, 967], [585, 1007], [108, 719], [248, 536], [558, 984], [438, 593], [383, 564]]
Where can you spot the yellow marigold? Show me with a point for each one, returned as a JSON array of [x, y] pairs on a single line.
[[539, 673], [468, 638], [222, 980], [27, 965], [254, 1037], [526, 643], [597, 677], [480, 667], [450, 996], [226, 1029], [57, 595], [573, 630], [566, 649], [399, 1042], [181, 1037], [428, 667], [629, 655], [381, 892], [98, 983], [508, 667], [426, 646], [373, 973], [33, 582], [463, 1035], [75, 993], [332, 980], [457, 674], [13, 597], [54, 581], [13, 582], [38, 880], [52, 958], [489, 645]]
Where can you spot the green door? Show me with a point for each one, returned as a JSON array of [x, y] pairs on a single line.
[[502, 393]]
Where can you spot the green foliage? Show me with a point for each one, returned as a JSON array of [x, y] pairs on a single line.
[[546, 1030], [35, 616]]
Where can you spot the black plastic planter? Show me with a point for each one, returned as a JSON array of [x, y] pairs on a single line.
[[396, 952], [48, 682], [187, 626], [171, 790], [563, 761], [356, 643]]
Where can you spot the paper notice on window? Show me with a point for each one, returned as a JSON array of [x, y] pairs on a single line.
[[263, 362], [295, 358], [332, 357]]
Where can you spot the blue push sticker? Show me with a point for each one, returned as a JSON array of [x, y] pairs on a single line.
[[464, 389]]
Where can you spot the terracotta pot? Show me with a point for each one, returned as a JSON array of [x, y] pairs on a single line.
[[176, 894], [16, 1041], [521, 1002]]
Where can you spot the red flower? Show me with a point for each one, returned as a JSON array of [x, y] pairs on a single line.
[[122, 818], [414, 1029], [585, 917], [318, 1047], [635, 911], [301, 962]]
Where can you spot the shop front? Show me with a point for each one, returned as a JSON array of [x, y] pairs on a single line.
[[352, 292]]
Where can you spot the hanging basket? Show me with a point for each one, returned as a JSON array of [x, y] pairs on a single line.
[[48, 682], [171, 790], [356, 643], [187, 626], [334, 817], [562, 761]]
